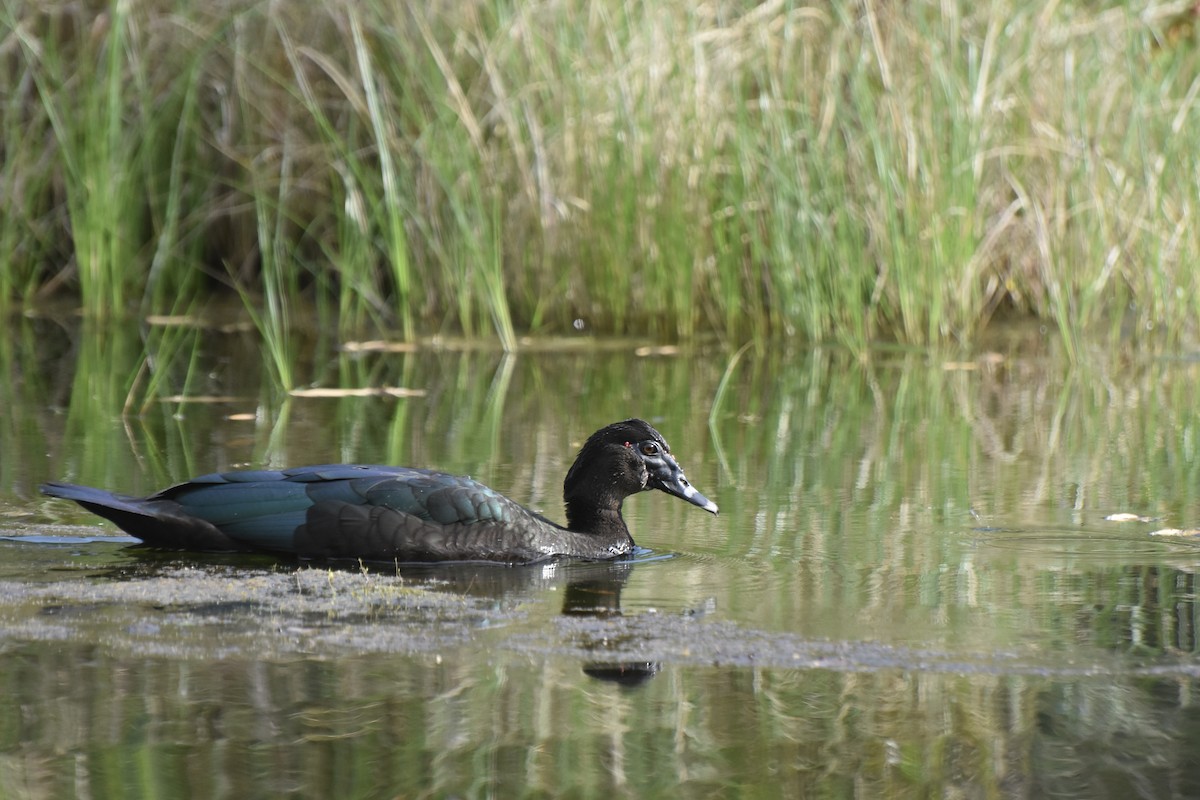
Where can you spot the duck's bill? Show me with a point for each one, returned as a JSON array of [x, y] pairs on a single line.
[[670, 479]]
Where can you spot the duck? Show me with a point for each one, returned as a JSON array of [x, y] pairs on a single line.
[[401, 514]]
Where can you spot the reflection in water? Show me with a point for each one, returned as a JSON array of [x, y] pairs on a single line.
[[590, 590], [464, 722], [599, 595], [912, 590]]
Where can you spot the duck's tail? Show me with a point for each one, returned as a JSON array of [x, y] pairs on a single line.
[[156, 521]]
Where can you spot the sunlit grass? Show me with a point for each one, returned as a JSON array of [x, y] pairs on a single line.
[[99, 162], [835, 174], [279, 286]]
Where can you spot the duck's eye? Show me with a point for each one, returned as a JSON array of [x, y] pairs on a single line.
[[649, 449]]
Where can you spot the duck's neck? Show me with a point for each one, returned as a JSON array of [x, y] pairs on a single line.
[[596, 519], [596, 532]]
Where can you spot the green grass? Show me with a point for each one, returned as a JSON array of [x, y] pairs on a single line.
[[851, 174]]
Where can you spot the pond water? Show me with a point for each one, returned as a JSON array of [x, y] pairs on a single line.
[[912, 589]]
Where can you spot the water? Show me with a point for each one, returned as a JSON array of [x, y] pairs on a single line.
[[912, 589]]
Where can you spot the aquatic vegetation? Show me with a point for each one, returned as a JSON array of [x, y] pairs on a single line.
[[838, 174]]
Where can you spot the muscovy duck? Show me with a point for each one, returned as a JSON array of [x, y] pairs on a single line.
[[379, 513]]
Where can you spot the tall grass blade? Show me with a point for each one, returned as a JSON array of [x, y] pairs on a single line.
[[395, 237]]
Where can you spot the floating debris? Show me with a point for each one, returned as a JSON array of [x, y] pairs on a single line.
[[364, 391], [657, 350], [1176, 532], [379, 346], [174, 321], [202, 398], [985, 360]]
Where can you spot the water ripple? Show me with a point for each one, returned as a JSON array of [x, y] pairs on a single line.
[[1087, 544]]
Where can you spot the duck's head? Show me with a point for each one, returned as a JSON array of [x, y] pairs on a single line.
[[623, 459]]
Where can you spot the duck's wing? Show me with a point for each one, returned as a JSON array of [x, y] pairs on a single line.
[[332, 511]]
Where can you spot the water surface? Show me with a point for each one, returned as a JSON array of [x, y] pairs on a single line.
[[912, 589]]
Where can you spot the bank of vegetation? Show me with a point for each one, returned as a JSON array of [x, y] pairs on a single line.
[[838, 172]]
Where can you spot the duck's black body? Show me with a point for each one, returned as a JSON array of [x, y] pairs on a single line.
[[398, 513]]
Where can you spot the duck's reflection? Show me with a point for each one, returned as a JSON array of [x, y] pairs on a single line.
[[599, 595], [590, 590]]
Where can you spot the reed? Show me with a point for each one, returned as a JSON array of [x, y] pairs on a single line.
[[865, 172], [279, 286]]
